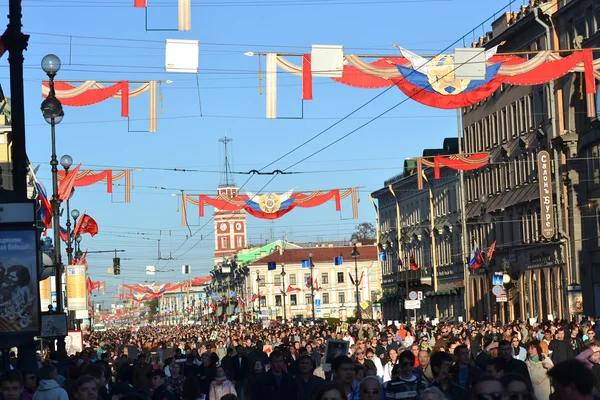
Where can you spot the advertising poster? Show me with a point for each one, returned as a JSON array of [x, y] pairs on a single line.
[[45, 290], [76, 288], [19, 294]]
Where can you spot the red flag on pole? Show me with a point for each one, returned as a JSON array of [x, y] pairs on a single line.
[[66, 186], [490, 252], [86, 224]]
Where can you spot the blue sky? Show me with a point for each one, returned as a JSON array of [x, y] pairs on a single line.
[[97, 136]]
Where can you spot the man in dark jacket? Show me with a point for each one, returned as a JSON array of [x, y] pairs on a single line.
[[258, 355], [159, 387], [275, 384], [512, 365], [227, 363], [560, 347], [464, 372], [241, 370], [306, 381]]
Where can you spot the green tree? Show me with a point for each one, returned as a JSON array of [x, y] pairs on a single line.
[[152, 305]]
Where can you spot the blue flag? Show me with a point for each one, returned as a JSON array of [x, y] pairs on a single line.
[[305, 263], [272, 265]]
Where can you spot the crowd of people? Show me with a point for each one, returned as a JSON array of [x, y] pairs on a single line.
[[230, 361]]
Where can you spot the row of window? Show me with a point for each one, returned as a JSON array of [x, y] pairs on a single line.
[[502, 176], [509, 122], [448, 251], [239, 240], [323, 279], [293, 299]]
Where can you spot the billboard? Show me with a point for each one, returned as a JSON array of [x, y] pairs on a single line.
[[76, 288], [45, 294], [19, 293], [546, 202]]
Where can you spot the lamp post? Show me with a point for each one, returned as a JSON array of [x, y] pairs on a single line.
[[483, 199], [258, 290], [355, 254], [66, 161], [283, 288], [53, 113], [312, 287]]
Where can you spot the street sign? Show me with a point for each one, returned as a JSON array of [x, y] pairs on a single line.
[[497, 290], [364, 305], [412, 304], [413, 295], [497, 280], [318, 302], [419, 295]]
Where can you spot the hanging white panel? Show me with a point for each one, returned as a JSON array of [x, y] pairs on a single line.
[[150, 270], [182, 56], [327, 60], [470, 63]]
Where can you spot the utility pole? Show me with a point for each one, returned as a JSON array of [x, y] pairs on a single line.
[[312, 287], [355, 255], [283, 288]]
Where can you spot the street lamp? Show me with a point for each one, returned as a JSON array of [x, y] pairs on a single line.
[[355, 254], [487, 218], [53, 113], [66, 161], [312, 286], [283, 288]]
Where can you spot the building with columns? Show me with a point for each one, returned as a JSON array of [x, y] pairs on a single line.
[[406, 233], [336, 294]]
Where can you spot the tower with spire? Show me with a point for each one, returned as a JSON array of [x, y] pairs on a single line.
[[230, 226]]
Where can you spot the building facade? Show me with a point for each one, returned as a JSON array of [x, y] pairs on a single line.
[[185, 307], [409, 239], [230, 227], [335, 292], [577, 25], [515, 125]]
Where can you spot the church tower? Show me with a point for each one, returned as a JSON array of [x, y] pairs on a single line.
[[230, 226]]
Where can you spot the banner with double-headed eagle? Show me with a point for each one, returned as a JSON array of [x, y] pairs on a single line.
[[270, 205], [434, 81]]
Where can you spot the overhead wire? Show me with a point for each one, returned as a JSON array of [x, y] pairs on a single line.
[[330, 127]]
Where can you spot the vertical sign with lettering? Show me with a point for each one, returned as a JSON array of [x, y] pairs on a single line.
[[546, 203]]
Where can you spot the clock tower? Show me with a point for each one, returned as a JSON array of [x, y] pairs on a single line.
[[230, 226]]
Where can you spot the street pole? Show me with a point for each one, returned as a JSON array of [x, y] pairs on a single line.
[[258, 291], [16, 42], [463, 223], [283, 289], [312, 287], [60, 345], [355, 255]]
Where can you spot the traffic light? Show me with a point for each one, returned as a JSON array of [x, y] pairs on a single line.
[[117, 266]]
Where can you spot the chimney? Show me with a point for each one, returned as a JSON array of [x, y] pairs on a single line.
[[501, 24]]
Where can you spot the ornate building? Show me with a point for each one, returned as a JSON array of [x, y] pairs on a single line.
[[406, 236], [548, 261], [230, 226], [336, 294], [577, 25]]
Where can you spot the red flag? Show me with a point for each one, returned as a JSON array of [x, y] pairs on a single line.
[[290, 288], [413, 263], [66, 186], [362, 275], [86, 224], [490, 252]]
